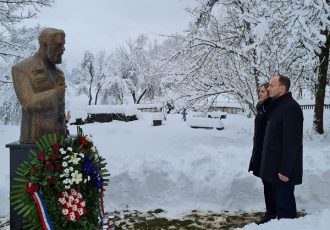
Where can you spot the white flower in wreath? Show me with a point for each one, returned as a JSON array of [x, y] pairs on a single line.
[[76, 177], [64, 175], [81, 155], [72, 216], [71, 198], [69, 204], [74, 208], [62, 200], [65, 194], [93, 149], [66, 171], [76, 201], [83, 204], [79, 196], [71, 169], [62, 151], [88, 179], [65, 211], [74, 160], [80, 211], [67, 181], [70, 149], [65, 164], [67, 186], [73, 192]]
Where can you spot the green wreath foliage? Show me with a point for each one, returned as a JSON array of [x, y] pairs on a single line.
[[59, 166]]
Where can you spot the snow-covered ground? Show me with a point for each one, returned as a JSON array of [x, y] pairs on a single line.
[[178, 168]]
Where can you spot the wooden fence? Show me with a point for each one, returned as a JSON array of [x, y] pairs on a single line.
[[326, 106], [226, 109]]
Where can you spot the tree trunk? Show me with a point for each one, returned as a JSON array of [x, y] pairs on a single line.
[[90, 94], [91, 73], [320, 87], [141, 96], [134, 96], [97, 93]]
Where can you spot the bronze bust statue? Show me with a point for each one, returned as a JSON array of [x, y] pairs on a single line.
[[40, 88]]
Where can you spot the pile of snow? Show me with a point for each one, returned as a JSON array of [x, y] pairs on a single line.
[[128, 110], [153, 105], [205, 122], [217, 114], [157, 116], [317, 220], [83, 111]]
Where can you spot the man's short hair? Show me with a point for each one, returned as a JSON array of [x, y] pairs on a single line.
[[47, 35], [284, 81]]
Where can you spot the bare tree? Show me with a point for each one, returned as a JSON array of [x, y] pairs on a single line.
[[88, 70], [233, 46], [11, 14], [138, 68], [15, 43]]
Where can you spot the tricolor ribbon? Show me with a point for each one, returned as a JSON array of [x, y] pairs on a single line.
[[45, 220], [109, 222], [102, 216]]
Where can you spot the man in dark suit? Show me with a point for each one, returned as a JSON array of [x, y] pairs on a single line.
[[282, 156]]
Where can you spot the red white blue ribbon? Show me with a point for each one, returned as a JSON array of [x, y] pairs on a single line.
[[43, 214], [102, 214]]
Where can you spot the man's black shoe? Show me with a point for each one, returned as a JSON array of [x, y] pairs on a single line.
[[266, 218]]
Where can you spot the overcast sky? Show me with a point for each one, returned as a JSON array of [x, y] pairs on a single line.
[[105, 24]]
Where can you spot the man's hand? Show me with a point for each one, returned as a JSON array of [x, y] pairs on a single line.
[[282, 177], [68, 116]]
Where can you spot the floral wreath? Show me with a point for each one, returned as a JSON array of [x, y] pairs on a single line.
[[61, 185]]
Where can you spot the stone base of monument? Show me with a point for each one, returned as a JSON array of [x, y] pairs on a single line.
[[18, 154]]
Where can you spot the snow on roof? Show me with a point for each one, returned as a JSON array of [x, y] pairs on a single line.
[[311, 101], [128, 110], [152, 105], [227, 104]]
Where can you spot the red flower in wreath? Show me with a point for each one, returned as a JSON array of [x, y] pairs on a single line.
[[58, 168], [48, 165], [54, 156], [35, 169], [83, 140], [41, 156], [52, 180], [56, 147], [31, 187]]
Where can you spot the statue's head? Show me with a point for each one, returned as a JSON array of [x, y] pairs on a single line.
[[51, 43]]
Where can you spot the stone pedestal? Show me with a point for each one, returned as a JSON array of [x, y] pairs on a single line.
[[18, 154]]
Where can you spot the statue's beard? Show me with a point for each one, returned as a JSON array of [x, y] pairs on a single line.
[[55, 57], [58, 59]]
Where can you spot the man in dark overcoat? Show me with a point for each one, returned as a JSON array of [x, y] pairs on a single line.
[[282, 156]]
